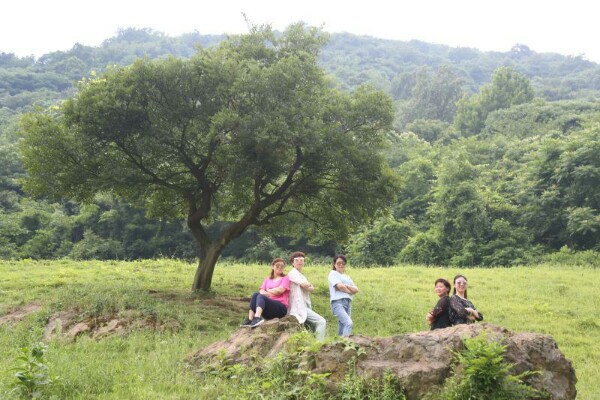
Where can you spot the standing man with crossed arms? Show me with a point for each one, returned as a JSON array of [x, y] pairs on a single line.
[[299, 300]]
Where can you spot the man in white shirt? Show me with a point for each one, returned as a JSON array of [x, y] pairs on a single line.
[[299, 301]]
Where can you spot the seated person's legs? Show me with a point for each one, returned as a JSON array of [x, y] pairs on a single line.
[[317, 323]]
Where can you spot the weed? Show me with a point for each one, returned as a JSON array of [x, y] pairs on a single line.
[[351, 346], [354, 387], [32, 376]]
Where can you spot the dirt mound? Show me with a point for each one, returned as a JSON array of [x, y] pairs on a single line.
[[19, 313]]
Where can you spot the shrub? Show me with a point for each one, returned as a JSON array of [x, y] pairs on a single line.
[[481, 373], [380, 243]]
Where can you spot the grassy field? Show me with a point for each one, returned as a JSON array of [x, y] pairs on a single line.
[[149, 362]]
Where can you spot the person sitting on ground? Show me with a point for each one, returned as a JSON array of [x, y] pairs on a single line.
[[341, 289], [439, 317], [462, 311], [271, 300], [300, 305]]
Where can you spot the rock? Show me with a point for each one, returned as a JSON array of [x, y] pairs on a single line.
[[421, 361], [535, 352], [58, 323], [248, 344], [114, 326], [78, 329]]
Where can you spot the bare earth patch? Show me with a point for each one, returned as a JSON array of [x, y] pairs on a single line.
[[70, 324], [19, 313]]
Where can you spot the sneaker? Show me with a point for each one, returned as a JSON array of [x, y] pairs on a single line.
[[256, 322], [246, 323]]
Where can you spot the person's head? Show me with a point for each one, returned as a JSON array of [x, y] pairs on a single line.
[[442, 287], [339, 263], [297, 259], [277, 268], [460, 285]]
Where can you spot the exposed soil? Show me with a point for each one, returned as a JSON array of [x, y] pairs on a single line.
[[19, 313], [70, 324]]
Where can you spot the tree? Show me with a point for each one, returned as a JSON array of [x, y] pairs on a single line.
[[433, 96], [248, 132], [508, 88]]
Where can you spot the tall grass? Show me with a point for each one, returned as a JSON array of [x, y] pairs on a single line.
[[150, 363]]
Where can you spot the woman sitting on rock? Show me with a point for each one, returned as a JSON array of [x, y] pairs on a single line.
[[439, 317], [462, 311], [271, 300]]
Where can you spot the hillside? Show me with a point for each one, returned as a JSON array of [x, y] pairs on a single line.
[[494, 156], [351, 59]]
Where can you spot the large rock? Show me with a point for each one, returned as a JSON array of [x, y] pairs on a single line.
[[421, 361], [248, 344]]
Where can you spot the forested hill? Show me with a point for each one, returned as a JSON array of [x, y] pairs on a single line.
[[359, 59], [352, 60], [495, 157]]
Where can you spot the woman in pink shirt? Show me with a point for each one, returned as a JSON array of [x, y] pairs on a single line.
[[271, 300]]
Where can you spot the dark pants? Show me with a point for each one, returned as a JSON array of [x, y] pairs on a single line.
[[271, 308]]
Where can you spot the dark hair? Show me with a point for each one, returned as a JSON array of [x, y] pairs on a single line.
[[343, 257], [445, 282], [275, 261], [454, 282], [296, 254]]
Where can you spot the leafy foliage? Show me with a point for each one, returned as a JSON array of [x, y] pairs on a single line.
[[32, 378], [508, 88], [535, 161], [482, 374], [248, 132]]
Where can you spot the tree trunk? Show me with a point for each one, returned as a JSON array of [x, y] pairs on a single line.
[[206, 267]]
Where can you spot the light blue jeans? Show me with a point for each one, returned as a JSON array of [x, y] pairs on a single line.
[[342, 309]]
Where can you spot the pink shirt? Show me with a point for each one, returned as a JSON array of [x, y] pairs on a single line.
[[284, 283]]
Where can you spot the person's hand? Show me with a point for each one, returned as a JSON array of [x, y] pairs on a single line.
[[473, 314], [429, 318]]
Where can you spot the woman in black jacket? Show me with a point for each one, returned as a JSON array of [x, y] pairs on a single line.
[[462, 311], [439, 317]]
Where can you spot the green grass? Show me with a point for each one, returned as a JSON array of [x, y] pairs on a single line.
[[150, 364]]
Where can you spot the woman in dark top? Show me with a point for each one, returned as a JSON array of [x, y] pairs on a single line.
[[462, 311], [439, 317]]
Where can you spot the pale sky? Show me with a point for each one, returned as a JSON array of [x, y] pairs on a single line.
[[567, 27]]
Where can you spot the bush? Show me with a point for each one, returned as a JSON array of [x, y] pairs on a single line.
[[379, 244], [481, 373], [266, 250], [567, 256], [94, 247], [423, 248]]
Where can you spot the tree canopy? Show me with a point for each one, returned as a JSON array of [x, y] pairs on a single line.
[[249, 132]]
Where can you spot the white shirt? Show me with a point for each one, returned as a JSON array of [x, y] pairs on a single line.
[[299, 299]]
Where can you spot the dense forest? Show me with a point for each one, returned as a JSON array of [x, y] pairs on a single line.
[[496, 157]]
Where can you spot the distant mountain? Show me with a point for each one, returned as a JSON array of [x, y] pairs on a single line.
[[351, 59]]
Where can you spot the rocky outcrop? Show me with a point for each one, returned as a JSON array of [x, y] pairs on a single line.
[[421, 361], [246, 344]]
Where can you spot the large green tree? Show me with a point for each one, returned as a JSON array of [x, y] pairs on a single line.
[[249, 132], [434, 96], [508, 88]]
